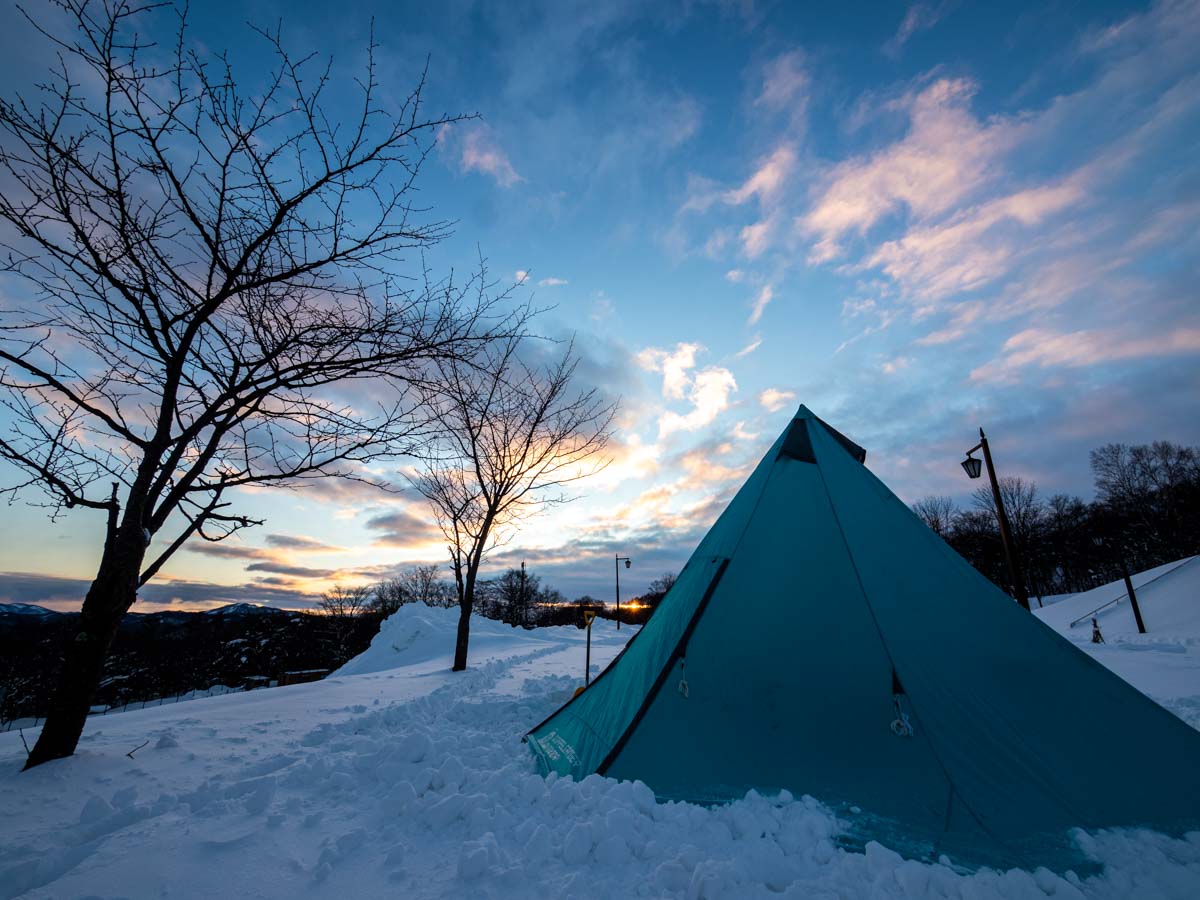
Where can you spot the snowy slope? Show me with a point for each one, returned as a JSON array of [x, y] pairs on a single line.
[[1168, 596], [408, 780], [1163, 663]]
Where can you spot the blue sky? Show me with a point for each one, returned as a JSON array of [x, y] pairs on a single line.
[[916, 219]]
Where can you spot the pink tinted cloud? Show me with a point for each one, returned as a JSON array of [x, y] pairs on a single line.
[[1042, 348], [945, 158], [481, 153]]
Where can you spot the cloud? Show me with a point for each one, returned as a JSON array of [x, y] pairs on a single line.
[[785, 84], [1043, 348], [757, 237], [946, 157], [280, 568], [674, 366], [766, 186], [773, 399], [552, 282], [403, 528], [709, 395], [300, 542], [480, 152], [520, 276], [226, 550], [975, 246], [918, 17], [749, 348], [765, 296], [736, 276], [768, 179]]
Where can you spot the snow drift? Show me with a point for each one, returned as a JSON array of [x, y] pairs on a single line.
[[411, 781]]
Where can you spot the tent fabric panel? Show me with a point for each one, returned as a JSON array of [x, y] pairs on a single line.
[[1030, 762], [578, 738], [786, 704]]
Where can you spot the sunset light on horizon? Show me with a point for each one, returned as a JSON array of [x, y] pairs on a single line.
[[915, 219]]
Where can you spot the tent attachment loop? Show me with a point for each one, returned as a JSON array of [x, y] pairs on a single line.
[[683, 685], [901, 726]]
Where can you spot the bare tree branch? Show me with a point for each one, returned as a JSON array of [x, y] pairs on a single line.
[[212, 291], [513, 437]]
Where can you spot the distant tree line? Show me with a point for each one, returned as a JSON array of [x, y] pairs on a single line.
[[1146, 511], [517, 597]]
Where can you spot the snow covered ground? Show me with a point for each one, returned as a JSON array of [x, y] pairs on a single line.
[[395, 777]]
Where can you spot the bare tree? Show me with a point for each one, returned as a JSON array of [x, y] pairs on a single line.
[[1021, 501], [936, 512], [416, 584], [345, 602], [210, 270], [663, 583], [344, 606], [517, 592], [513, 436]]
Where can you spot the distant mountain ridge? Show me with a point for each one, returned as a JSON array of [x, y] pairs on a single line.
[[232, 609], [26, 609]]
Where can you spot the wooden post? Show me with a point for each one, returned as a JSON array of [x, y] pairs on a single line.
[[1133, 601], [1006, 538], [589, 616]]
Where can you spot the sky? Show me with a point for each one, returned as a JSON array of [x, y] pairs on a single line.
[[917, 219]]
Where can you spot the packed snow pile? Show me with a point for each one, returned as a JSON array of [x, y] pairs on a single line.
[[417, 633], [396, 777]]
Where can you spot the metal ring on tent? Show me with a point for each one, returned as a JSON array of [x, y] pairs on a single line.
[[901, 726]]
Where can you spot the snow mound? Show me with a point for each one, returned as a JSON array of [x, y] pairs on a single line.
[[417, 633]]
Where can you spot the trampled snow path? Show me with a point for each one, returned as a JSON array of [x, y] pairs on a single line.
[[412, 782]]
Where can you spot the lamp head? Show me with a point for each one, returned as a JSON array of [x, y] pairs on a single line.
[[972, 466], [628, 562]]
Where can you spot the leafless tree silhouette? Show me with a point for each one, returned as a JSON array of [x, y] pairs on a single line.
[[937, 512], [512, 436], [212, 279]]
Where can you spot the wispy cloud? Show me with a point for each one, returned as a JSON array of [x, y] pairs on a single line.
[[768, 178], [945, 158], [765, 296], [918, 17], [785, 82], [404, 528], [552, 282], [1043, 348], [481, 152], [774, 399], [749, 348]]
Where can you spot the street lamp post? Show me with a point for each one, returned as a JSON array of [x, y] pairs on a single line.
[[972, 467], [617, 568]]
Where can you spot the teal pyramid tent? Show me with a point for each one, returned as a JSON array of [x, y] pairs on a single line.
[[823, 640]]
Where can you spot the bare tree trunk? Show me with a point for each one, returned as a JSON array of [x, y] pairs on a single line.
[[464, 622], [111, 594]]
